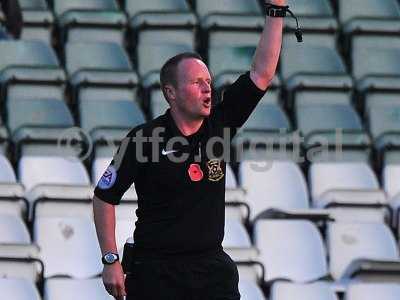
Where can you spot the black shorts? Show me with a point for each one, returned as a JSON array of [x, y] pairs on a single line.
[[211, 277]]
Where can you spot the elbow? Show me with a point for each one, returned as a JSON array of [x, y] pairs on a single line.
[[262, 80]]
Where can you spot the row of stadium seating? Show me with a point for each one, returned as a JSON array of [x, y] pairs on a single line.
[[307, 223], [291, 247]]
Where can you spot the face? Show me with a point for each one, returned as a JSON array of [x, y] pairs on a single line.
[[192, 95]]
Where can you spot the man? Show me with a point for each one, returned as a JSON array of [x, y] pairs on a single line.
[[13, 19], [177, 252]]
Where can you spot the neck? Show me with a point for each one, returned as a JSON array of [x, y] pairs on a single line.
[[186, 125]]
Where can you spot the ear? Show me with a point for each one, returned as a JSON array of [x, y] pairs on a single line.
[[170, 92]]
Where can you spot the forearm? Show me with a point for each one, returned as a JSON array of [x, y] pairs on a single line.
[[104, 219], [266, 57]]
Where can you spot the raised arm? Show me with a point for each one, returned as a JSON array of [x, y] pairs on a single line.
[[266, 57]]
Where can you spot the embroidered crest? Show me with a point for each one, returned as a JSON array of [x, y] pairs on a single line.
[[215, 172]]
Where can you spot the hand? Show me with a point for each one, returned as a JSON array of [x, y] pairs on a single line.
[[113, 280]]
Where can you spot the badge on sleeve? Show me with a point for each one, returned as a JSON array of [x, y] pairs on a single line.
[[108, 179], [195, 172]]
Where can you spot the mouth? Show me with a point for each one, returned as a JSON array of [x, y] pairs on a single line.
[[207, 102]]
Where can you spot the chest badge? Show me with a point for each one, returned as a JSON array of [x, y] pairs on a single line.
[[215, 172], [195, 172]]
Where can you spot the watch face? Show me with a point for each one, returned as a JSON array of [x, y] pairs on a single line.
[[110, 258]]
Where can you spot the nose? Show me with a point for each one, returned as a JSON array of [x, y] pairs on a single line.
[[206, 87]]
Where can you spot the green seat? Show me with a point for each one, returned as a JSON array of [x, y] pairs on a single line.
[[26, 54], [310, 59], [151, 57], [30, 112], [91, 20], [160, 22], [158, 104], [38, 20], [350, 9], [109, 113], [267, 117], [311, 8], [96, 56], [227, 59], [383, 116]]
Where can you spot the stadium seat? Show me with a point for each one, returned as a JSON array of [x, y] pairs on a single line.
[[236, 217], [59, 232], [38, 21], [251, 272], [313, 8], [230, 179], [370, 291], [335, 123], [19, 264], [90, 20], [79, 289], [266, 182], [125, 221], [358, 9], [96, 56], [108, 108], [45, 169], [381, 111], [310, 291], [13, 229], [38, 111], [353, 244], [290, 250], [18, 289], [349, 189], [7, 173], [156, 102], [160, 21]]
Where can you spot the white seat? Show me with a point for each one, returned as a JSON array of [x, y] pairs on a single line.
[[267, 182], [249, 290], [34, 170], [373, 291], [350, 241], [235, 234], [18, 289], [349, 189], [77, 289], [309, 291], [62, 240], [13, 230], [290, 249], [391, 174], [7, 173], [100, 164], [230, 178], [326, 176], [125, 224]]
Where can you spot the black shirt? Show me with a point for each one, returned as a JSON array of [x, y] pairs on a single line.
[[181, 206]]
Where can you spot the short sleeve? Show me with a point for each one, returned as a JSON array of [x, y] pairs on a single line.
[[238, 101], [119, 175]]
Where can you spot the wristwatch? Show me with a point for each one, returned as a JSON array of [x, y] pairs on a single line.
[[109, 258]]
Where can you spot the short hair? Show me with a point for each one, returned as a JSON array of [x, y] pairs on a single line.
[[168, 74]]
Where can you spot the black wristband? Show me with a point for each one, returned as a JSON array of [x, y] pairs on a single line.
[[276, 11], [279, 11]]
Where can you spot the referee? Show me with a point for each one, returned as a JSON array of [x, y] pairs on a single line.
[[180, 181]]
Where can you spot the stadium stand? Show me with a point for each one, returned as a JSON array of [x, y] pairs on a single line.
[[326, 228]]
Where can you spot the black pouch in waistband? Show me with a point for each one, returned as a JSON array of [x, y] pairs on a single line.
[[127, 258]]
